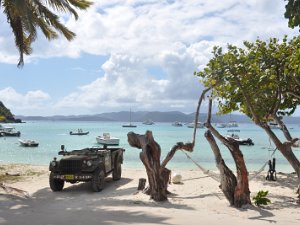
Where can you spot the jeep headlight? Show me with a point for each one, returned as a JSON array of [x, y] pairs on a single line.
[[89, 163], [53, 163]]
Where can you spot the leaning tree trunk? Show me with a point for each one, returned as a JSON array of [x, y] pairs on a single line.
[[236, 189], [241, 192], [158, 174], [228, 179]]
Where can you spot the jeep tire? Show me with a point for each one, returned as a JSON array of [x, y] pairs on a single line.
[[98, 180], [55, 184]]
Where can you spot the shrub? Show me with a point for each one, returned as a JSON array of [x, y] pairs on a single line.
[[261, 198]]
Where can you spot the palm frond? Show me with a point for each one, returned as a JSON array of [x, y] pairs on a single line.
[[81, 4], [52, 20], [65, 5], [26, 16], [21, 38]]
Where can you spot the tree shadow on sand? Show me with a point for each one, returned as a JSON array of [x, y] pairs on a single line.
[[77, 204], [264, 214], [285, 180]]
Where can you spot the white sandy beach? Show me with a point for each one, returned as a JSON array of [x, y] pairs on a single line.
[[197, 200]]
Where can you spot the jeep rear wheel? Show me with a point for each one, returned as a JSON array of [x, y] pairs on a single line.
[[98, 180], [117, 172], [55, 184]]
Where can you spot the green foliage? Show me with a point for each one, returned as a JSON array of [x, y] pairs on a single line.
[[260, 80], [5, 113], [24, 17], [292, 13], [261, 198]]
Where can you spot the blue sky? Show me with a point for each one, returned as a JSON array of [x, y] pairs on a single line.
[[138, 54]]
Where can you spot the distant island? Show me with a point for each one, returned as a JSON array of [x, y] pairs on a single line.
[[155, 116], [6, 116]]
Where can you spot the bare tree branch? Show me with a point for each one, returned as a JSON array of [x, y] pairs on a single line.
[[293, 93], [197, 114], [179, 146]]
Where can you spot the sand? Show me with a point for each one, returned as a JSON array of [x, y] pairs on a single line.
[[197, 200]]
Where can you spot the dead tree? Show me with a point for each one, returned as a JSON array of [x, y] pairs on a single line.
[[235, 188], [158, 174]]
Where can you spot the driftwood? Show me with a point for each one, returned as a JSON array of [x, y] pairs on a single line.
[[157, 173], [142, 183], [13, 190]]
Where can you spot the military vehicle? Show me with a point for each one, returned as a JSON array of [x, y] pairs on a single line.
[[86, 165]]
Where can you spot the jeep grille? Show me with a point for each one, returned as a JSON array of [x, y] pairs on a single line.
[[70, 166]]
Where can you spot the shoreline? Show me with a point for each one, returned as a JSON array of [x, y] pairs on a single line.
[[197, 198]]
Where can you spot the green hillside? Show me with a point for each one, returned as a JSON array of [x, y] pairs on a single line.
[[5, 115]]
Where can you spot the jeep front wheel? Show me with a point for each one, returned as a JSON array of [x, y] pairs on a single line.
[[55, 184], [116, 175], [98, 180]]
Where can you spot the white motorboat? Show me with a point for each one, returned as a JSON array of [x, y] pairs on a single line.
[[192, 125], [79, 132], [229, 124], [221, 125], [241, 141], [9, 131], [148, 122], [28, 143], [177, 124], [106, 139], [232, 124]]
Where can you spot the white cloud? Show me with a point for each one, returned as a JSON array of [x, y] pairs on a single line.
[[126, 83], [176, 36], [31, 102], [144, 28]]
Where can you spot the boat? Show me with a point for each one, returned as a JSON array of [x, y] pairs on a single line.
[[274, 125], [229, 124], [177, 124], [129, 124], [221, 125], [9, 131], [107, 140], [79, 132], [232, 124], [148, 122], [241, 141], [28, 143], [192, 125]]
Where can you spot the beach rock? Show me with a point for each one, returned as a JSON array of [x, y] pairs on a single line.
[[176, 178]]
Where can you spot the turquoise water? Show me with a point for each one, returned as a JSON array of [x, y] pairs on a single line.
[[52, 134]]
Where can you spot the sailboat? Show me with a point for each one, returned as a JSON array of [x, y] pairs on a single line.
[[129, 124]]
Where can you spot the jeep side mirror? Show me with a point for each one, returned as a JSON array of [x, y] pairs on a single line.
[[62, 147]]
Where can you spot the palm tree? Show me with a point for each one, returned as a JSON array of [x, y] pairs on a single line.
[[25, 16]]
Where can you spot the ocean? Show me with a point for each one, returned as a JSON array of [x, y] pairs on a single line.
[[52, 134]]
